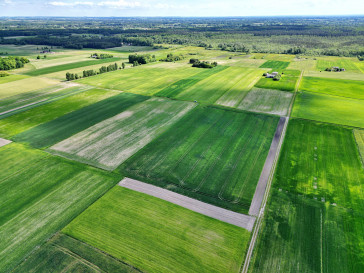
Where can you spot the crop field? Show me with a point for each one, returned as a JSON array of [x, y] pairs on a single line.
[[287, 82], [337, 87], [267, 101], [333, 109], [140, 80], [23, 121], [21, 50], [311, 157], [275, 65], [245, 62], [211, 154], [60, 60], [63, 67], [348, 64], [335, 75], [110, 142], [232, 81], [12, 78], [149, 234], [19, 103], [24, 86], [65, 254], [360, 65], [302, 235], [359, 138], [236, 94], [65, 126], [306, 64], [40, 194], [279, 57]]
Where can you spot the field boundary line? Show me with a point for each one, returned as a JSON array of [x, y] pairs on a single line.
[[224, 215]]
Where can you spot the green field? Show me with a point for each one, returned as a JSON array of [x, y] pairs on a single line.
[[12, 78], [157, 236], [24, 86], [267, 101], [302, 235], [359, 138], [337, 87], [321, 161], [329, 62], [211, 154], [333, 109], [335, 75], [275, 65], [144, 80], [40, 194], [58, 129], [303, 64], [231, 81], [63, 67], [110, 142], [25, 120], [66, 254], [287, 82]]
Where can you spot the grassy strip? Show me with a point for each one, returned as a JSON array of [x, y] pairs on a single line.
[[336, 87], [40, 197], [25, 120], [63, 253], [211, 154], [148, 233], [62, 67], [67, 125]]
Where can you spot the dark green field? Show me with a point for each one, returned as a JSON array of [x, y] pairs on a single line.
[[62, 67], [275, 65], [66, 254], [67, 125], [211, 154]]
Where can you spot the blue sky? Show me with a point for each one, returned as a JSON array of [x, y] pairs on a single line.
[[179, 7]]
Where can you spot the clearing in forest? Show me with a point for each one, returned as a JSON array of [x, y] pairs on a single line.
[[157, 236], [109, 143], [212, 155]]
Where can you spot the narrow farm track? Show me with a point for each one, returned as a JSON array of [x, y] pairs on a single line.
[[234, 218], [269, 182]]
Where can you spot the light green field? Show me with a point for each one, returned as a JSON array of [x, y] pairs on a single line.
[[311, 157], [211, 154], [24, 86], [267, 101], [44, 63], [157, 236], [279, 57], [302, 64], [343, 88], [359, 138], [328, 62], [110, 142], [360, 65], [214, 87], [236, 94], [333, 109], [40, 194], [245, 62], [12, 78], [304, 235], [143, 80], [286, 83], [25, 120], [335, 75], [65, 254]]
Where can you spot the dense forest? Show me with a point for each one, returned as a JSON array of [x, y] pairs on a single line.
[[334, 36]]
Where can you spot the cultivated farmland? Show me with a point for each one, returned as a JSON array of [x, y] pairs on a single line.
[[110, 142], [275, 65], [213, 155], [267, 101], [333, 109], [286, 83], [359, 137], [337, 87], [328, 62], [157, 236], [25, 120], [40, 194]]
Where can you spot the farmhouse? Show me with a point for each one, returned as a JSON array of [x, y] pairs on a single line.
[[271, 75]]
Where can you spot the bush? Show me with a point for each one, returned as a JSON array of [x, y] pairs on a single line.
[[141, 59]]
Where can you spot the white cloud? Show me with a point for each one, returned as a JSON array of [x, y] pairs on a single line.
[[110, 4]]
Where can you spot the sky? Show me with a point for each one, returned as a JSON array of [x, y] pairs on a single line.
[[186, 8]]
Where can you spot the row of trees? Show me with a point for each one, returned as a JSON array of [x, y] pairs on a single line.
[[173, 58], [9, 63], [202, 64], [91, 72], [101, 56]]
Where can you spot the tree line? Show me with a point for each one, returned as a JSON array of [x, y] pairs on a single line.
[[11, 62]]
